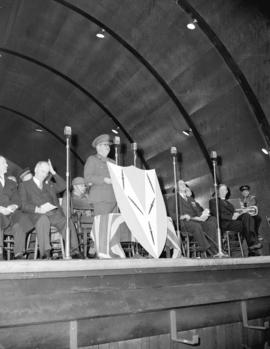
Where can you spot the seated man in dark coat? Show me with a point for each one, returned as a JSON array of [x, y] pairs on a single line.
[[39, 200], [231, 220], [194, 219], [11, 218]]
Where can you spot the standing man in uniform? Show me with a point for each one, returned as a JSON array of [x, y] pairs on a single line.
[[97, 173]]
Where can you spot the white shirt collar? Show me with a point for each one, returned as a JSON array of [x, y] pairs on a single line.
[[2, 180], [38, 183]]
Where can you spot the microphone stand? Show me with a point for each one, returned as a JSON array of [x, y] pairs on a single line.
[[67, 133], [173, 153], [220, 253], [116, 147], [134, 149], [135, 247]]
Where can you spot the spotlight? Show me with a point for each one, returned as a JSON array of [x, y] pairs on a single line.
[[115, 131], [265, 151], [101, 34], [39, 130], [192, 25], [187, 132]]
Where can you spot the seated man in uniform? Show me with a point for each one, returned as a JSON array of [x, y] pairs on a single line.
[[235, 221], [25, 175], [12, 219], [39, 200], [80, 210], [247, 202], [79, 197], [194, 219]]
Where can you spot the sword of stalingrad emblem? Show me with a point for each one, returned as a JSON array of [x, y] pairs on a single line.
[[141, 204]]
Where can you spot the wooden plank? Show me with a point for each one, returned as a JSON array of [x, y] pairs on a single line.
[[28, 269]]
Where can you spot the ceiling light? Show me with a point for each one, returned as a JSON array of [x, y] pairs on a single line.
[[265, 151], [101, 34], [187, 132], [192, 25], [39, 130], [115, 131]]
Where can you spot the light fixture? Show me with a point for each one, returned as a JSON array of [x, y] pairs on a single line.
[[101, 34], [187, 132], [265, 151], [115, 130], [192, 25], [39, 130]]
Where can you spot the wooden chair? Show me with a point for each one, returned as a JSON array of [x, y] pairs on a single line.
[[83, 222], [190, 246], [8, 248], [57, 244], [233, 243]]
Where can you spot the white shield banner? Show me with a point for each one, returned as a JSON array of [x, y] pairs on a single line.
[[141, 203]]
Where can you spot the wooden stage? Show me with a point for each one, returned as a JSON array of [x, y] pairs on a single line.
[[78, 303]]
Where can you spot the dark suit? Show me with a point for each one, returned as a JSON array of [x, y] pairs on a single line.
[[32, 196], [243, 224], [16, 223], [200, 230], [101, 193]]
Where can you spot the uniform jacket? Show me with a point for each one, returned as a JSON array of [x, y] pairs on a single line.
[[95, 170]]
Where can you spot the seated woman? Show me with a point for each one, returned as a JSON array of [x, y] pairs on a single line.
[[231, 220]]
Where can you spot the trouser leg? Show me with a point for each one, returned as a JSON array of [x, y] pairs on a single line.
[[19, 238], [248, 229], [59, 221], [195, 228], [258, 221], [210, 230], [43, 234]]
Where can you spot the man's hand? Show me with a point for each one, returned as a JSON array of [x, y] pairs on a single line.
[[51, 169], [107, 180], [185, 217]]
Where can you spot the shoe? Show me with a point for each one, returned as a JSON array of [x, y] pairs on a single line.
[[76, 255], [19, 255], [47, 254], [256, 246]]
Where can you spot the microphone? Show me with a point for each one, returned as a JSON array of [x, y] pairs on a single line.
[[213, 155], [116, 140], [134, 146], [67, 131], [173, 151]]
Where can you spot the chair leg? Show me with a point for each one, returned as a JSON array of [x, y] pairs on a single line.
[[188, 245], [85, 243], [228, 243], [36, 247], [240, 244], [62, 246]]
